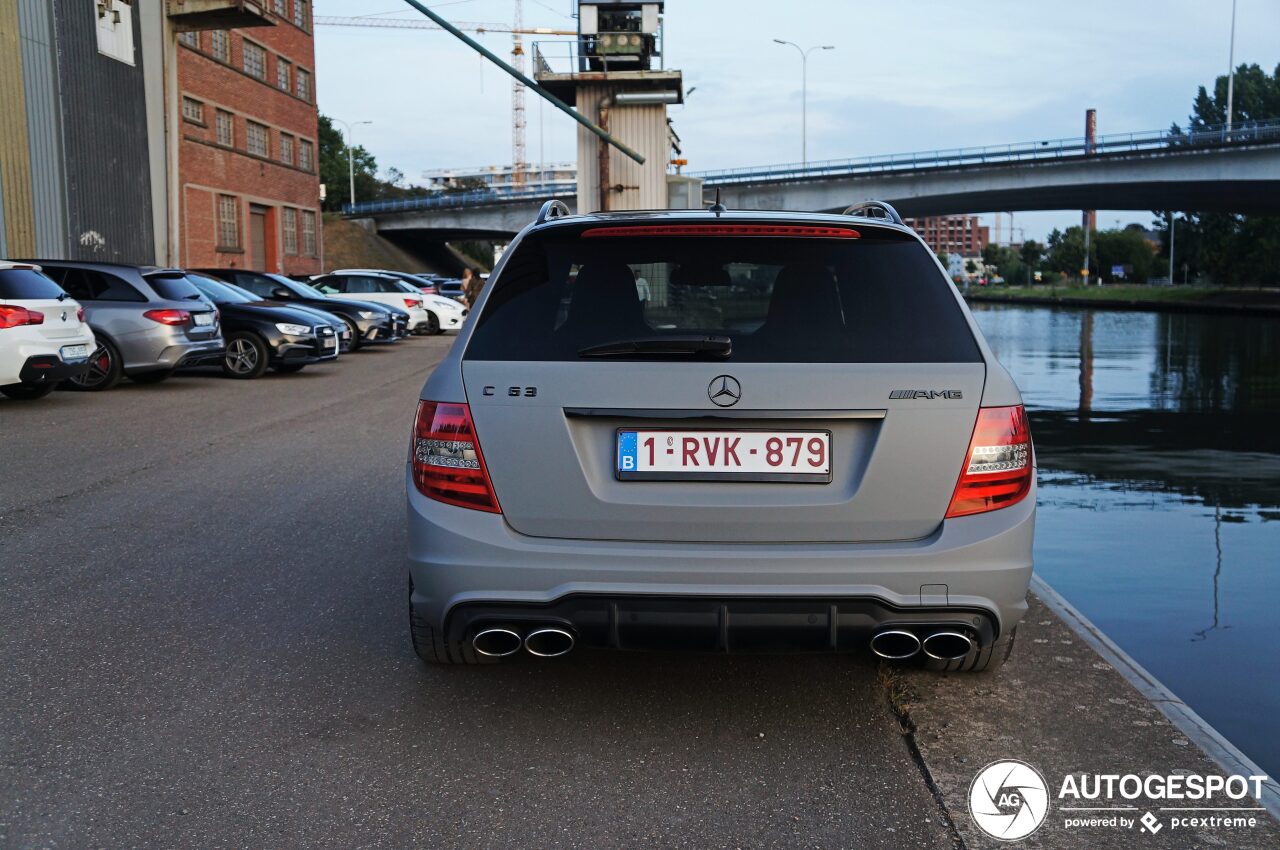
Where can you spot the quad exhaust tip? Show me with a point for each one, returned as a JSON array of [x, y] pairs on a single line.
[[497, 642], [549, 642], [947, 646], [895, 644]]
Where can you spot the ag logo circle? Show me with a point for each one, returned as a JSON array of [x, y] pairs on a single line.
[[1008, 800], [724, 390]]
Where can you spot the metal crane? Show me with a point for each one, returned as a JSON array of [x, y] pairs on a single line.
[[519, 166]]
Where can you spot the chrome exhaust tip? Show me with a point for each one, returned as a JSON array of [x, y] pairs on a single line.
[[947, 646], [548, 642], [895, 644], [496, 642]]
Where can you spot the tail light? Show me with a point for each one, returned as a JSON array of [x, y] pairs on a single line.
[[80, 315], [412, 302], [447, 464], [12, 317], [168, 317], [997, 471]]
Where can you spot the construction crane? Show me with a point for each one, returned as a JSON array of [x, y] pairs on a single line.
[[519, 166]]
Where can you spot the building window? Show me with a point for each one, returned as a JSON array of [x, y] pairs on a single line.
[[304, 84], [228, 222], [226, 129], [193, 110], [308, 233], [257, 139], [289, 223], [281, 7], [300, 13], [190, 39], [304, 154], [286, 148], [282, 74], [221, 46], [255, 60]]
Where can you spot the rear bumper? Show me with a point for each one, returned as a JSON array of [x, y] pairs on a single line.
[[50, 369], [469, 565], [187, 354]]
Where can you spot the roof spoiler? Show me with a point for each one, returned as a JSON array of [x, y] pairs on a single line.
[[874, 209]]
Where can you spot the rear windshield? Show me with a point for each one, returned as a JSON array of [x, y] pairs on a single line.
[[779, 300], [27, 285], [173, 287]]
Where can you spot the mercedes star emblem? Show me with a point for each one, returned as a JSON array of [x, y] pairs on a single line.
[[724, 390]]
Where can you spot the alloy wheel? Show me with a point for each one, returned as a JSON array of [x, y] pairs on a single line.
[[241, 356], [99, 368]]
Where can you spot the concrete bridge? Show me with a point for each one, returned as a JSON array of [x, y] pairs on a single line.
[[1207, 171]]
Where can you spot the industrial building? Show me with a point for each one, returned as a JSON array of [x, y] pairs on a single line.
[[952, 234], [179, 133]]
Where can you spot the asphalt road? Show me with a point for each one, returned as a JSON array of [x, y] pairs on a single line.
[[203, 603]]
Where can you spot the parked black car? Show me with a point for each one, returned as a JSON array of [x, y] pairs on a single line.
[[368, 322], [261, 334], [320, 316]]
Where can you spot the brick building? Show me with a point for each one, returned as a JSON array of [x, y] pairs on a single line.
[[248, 159], [952, 234]]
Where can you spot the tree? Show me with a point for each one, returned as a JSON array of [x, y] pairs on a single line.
[[1125, 248], [1224, 247], [1004, 261], [1066, 251], [336, 177], [1031, 254]]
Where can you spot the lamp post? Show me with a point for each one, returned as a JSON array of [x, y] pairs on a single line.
[[1231, 72], [804, 92], [351, 161]]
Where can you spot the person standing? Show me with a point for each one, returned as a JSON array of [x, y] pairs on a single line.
[[471, 285]]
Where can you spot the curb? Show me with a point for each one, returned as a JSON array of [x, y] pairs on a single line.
[[1195, 727]]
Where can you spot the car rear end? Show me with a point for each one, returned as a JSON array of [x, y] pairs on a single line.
[[177, 328], [737, 432], [43, 335]]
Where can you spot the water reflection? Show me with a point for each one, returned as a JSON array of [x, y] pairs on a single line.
[[1159, 460]]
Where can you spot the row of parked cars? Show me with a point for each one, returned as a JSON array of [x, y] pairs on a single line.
[[88, 325]]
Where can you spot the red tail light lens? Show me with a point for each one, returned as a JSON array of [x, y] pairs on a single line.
[[412, 302], [12, 317], [80, 315], [791, 230], [447, 464], [168, 317], [997, 470]]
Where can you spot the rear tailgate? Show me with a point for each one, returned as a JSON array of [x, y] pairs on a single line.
[[872, 409]]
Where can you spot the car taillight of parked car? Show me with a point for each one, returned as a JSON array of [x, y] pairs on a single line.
[[998, 467], [12, 317], [412, 302], [168, 317], [80, 314], [446, 458]]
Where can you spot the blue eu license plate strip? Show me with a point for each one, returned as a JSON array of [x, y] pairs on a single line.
[[627, 451]]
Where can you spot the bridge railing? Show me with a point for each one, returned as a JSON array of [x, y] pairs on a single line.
[[446, 200], [1051, 149]]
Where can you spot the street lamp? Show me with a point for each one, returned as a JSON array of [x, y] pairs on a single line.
[[1231, 75], [804, 92], [351, 162]]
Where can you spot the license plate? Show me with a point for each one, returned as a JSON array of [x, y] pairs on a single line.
[[75, 352], [203, 320], [739, 455], [331, 342]]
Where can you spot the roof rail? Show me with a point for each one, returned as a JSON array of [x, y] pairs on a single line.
[[874, 209], [552, 209]]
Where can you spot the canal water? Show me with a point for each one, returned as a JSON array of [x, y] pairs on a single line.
[[1158, 438]]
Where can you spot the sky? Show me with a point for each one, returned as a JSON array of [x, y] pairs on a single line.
[[911, 75]]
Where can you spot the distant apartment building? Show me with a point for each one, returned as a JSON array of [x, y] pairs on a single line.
[[248, 162], [552, 177], [952, 234]]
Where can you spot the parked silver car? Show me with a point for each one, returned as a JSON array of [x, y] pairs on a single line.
[[147, 321], [720, 431]]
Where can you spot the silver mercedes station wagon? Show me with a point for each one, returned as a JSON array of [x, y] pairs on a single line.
[[720, 431]]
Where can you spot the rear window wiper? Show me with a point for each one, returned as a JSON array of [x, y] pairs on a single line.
[[684, 345]]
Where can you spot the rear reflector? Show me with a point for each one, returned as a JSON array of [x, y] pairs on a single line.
[[997, 471], [169, 317], [12, 317], [447, 464], [793, 230]]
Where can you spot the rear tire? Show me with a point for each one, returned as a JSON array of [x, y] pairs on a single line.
[[982, 660], [246, 356], [105, 370], [151, 377], [27, 392], [432, 648]]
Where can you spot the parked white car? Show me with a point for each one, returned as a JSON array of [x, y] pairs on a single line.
[[428, 314], [43, 336]]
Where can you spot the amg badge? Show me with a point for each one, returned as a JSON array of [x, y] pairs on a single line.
[[924, 394]]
